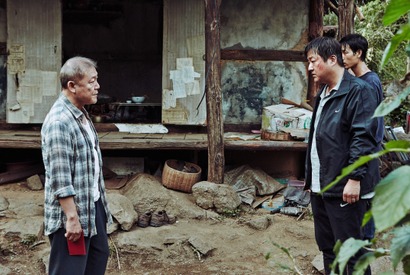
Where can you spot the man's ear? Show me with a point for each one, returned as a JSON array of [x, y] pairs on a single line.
[[333, 59], [359, 53], [71, 86]]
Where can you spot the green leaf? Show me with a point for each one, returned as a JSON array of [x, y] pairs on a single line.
[[388, 105], [365, 260], [400, 244], [348, 249], [394, 10], [367, 216], [402, 35], [390, 203], [397, 144]]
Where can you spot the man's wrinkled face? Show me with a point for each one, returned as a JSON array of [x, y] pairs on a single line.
[[86, 90]]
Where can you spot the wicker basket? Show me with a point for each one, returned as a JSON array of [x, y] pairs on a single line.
[[180, 175]]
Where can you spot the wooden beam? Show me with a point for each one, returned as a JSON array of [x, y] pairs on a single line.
[[346, 18], [316, 13], [216, 156], [263, 55]]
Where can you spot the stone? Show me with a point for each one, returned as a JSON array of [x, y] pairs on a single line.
[[259, 223], [221, 197], [122, 210], [4, 203], [34, 183]]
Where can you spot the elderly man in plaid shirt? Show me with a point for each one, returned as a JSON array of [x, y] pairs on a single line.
[[76, 209]]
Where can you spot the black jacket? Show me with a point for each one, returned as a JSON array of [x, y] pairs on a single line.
[[345, 132]]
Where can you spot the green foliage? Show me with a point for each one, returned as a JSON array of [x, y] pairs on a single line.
[[379, 38], [391, 204]]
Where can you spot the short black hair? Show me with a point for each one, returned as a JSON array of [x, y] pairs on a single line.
[[325, 47], [356, 42]]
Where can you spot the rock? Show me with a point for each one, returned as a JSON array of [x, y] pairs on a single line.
[[200, 245], [113, 227], [259, 223], [4, 203], [24, 226], [318, 263], [174, 239], [147, 193], [204, 193], [219, 196], [226, 199], [34, 183], [122, 210], [4, 270]]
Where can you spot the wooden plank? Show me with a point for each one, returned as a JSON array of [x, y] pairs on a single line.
[[27, 134], [196, 137], [135, 136], [152, 144], [114, 135], [175, 136], [263, 55], [167, 142], [154, 136]]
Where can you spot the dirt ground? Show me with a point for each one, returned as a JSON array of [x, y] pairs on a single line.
[[234, 247]]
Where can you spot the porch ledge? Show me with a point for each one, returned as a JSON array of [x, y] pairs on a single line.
[[172, 141]]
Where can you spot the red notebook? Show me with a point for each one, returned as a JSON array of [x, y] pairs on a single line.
[[77, 247]]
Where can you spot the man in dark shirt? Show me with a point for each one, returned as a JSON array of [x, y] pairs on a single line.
[[354, 51]]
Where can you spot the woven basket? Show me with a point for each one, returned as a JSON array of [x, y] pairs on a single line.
[[180, 175]]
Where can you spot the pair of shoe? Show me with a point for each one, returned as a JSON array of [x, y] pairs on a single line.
[[156, 219]]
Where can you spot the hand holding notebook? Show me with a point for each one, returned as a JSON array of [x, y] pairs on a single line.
[[77, 247]]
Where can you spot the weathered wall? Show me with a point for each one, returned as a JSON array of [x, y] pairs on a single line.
[[262, 24], [249, 86], [3, 75]]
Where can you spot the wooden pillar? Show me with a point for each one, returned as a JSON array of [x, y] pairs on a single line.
[[216, 155], [346, 18], [316, 13]]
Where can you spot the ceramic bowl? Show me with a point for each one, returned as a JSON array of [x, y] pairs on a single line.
[[138, 99]]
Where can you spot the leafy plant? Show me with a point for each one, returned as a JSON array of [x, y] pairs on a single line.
[[391, 204]]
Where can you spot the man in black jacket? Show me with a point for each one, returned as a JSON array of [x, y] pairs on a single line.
[[342, 130]]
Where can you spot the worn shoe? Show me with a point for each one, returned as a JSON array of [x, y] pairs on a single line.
[[145, 219], [161, 218]]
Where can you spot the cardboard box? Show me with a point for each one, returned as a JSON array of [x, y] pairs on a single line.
[[281, 116]]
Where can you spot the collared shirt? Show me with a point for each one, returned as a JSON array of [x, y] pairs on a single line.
[[69, 163], [314, 154]]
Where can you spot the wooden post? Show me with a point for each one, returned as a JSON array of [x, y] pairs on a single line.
[[216, 155], [316, 13], [346, 18]]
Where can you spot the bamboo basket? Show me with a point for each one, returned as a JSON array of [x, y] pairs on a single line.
[[180, 175]]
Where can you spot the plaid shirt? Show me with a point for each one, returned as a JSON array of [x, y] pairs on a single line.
[[68, 160]]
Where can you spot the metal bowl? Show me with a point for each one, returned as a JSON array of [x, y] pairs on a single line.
[[138, 99]]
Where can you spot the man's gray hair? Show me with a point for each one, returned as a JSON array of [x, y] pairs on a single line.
[[74, 69]]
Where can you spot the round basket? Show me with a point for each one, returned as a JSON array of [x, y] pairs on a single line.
[[180, 175]]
